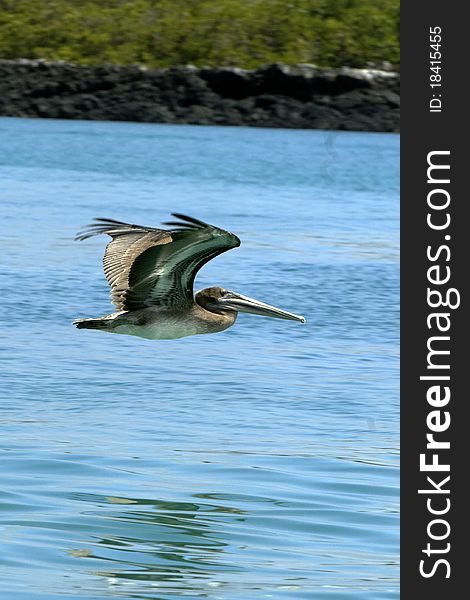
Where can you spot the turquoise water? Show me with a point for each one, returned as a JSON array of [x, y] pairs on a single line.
[[261, 462]]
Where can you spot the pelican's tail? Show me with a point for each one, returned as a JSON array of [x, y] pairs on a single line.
[[91, 323]]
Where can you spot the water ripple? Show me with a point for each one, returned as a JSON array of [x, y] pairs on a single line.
[[261, 462]]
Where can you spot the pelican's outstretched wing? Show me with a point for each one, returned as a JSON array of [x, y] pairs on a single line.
[[146, 266]]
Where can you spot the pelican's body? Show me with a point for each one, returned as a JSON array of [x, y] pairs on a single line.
[[151, 272], [155, 323]]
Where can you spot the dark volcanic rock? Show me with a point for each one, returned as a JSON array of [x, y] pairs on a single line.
[[299, 96]]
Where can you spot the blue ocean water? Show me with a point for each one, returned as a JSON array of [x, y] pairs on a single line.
[[261, 462]]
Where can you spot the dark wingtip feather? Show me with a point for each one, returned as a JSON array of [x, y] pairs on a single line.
[[190, 220], [179, 224], [95, 228], [104, 225], [187, 223], [110, 221]]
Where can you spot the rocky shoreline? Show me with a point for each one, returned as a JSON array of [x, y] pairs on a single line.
[[299, 96]]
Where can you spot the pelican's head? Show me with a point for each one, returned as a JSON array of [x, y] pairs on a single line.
[[218, 300]]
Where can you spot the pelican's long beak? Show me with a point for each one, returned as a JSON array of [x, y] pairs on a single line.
[[255, 307]]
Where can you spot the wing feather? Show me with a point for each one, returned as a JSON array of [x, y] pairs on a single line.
[[146, 266], [128, 243]]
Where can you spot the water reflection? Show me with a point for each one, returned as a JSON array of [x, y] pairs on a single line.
[[158, 541], [291, 417]]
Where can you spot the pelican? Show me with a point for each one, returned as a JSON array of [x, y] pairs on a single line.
[[151, 273]]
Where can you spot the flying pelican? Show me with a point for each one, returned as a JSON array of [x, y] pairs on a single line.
[[151, 273]]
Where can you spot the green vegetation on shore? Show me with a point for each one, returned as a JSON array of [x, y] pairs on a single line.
[[246, 33]]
